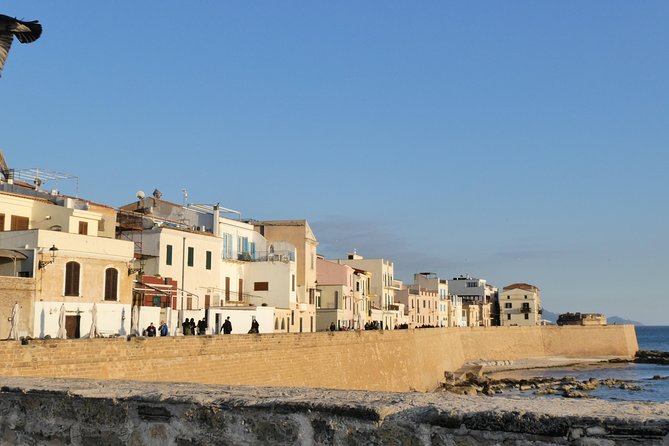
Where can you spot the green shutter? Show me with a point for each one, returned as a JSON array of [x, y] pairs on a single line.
[[208, 259], [168, 260], [191, 256]]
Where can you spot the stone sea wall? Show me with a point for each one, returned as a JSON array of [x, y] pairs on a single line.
[[398, 360], [85, 412]]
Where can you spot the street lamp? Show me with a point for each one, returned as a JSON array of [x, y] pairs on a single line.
[[44, 263]]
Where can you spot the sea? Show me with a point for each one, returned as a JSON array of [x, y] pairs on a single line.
[[649, 338]]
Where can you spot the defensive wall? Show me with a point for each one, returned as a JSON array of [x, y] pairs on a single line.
[[397, 360]]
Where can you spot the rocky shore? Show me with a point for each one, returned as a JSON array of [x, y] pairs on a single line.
[[473, 384]]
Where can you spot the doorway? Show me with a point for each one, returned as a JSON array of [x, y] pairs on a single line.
[[72, 326]]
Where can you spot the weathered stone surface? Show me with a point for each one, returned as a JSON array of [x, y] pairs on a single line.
[[81, 412]]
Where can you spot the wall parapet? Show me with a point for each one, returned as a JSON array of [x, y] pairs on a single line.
[[81, 412]]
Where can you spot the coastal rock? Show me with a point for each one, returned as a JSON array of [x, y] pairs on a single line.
[[575, 394], [652, 357]]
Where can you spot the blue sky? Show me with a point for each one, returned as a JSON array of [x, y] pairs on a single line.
[[515, 141]]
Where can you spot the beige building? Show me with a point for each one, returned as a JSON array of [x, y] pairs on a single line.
[[382, 290], [520, 304], [421, 306], [299, 234], [432, 282], [58, 253]]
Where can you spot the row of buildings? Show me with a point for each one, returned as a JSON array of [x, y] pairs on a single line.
[[78, 268]]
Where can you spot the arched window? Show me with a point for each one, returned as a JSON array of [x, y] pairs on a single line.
[[72, 271], [276, 324], [111, 284], [283, 324]]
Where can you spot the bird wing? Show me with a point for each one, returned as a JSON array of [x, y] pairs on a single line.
[[5, 44], [27, 32]]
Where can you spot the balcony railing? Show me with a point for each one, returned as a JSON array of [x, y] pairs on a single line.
[[261, 256], [525, 310]]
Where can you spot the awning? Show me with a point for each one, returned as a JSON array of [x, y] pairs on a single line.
[[12, 254]]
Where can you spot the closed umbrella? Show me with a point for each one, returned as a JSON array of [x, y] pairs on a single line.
[[62, 333], [14, 330], [94, 322], [134, 329]]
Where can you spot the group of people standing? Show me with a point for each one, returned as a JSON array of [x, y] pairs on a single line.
[[189, 327], [150, 331]]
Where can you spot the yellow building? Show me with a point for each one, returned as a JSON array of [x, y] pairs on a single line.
[[299, 234], [520, 304]]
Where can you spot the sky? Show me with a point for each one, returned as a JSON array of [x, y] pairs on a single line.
[[515, 141]]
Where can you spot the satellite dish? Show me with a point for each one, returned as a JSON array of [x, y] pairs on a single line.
[[140, 194]]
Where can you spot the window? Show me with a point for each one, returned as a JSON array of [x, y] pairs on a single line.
[[293, 282], [472, 284], [227, 288], [208, 260], [508, 317], [72, 270], [191, 256], [227, 245], [242, 244], [111, 284], [83, 227], [508, 305], [336, 299], [527, 316], [260, 286], [168, 257], [2, 222], [253, 250], [19, 223], [312, 294], [526, 296], [156, 301]]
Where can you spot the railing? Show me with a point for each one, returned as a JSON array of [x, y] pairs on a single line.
[[262, 256], [525, 310]]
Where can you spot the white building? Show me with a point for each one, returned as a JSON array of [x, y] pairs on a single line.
[[220, 264]]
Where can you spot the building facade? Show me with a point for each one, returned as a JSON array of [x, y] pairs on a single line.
[[520, 304]]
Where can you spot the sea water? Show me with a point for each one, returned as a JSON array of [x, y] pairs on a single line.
[[649, 338]]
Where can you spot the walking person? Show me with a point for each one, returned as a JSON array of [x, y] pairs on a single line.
[[192, 326], [185, 327]]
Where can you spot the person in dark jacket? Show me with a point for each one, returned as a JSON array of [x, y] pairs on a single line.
[[227, 326], [151, 330]]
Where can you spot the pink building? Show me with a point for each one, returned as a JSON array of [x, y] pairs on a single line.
[[335, 302]]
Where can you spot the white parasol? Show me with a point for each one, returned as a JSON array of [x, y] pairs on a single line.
[[134, 328], [62, 333], [14, 330], [94, 322]]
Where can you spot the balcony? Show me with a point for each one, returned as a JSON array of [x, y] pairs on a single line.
[[525, 309], [261, 256]]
